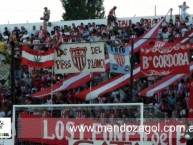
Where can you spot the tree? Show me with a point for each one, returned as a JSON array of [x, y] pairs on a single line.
[[82, 9]]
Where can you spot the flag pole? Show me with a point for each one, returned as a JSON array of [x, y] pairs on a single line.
[[52, 83], [12, 44], [180, 14], [131, 70], [56, 46], [90, 87], [90, 84]]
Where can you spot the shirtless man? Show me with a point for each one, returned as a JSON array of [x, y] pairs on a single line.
[[112, 15], [46, 15]]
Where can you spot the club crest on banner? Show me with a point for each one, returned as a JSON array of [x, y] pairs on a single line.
[[120, 59], [79, 57]]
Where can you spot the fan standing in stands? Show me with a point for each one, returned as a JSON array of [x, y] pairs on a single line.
[[46, 17], [112, 15], [184, 14]]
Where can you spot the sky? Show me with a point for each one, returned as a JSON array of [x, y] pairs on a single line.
[[30, 11]]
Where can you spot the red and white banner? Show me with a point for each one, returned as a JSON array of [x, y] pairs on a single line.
[[70, 82], [163, 83], [60, 131], [37, 59], [143, 40], [107, 86], [164, 60], [82, 57]]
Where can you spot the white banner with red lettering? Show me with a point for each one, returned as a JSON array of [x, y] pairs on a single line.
[[164, 60], [82, 57]]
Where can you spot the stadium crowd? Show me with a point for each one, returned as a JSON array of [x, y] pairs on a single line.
[[173, 100]]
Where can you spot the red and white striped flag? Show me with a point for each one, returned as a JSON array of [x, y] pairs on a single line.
[[164, 83], [108, 86], [143, 40], [69, 82], [37, 59]]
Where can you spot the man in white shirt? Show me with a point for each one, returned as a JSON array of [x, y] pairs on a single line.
[[183, 8], [34, 31], [25, 35]]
